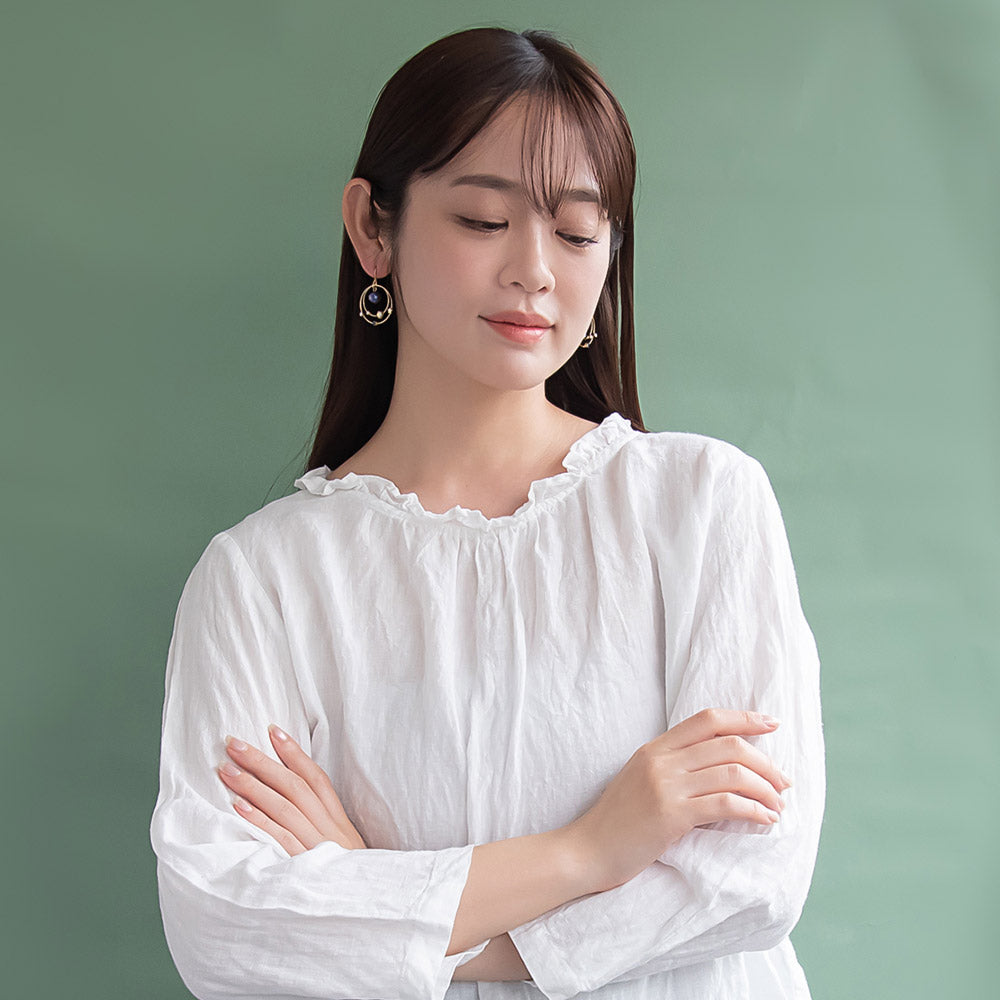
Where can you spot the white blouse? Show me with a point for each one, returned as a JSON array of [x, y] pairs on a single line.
[[465, 679]]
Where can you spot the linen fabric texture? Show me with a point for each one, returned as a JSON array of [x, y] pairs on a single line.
[[465, 679]]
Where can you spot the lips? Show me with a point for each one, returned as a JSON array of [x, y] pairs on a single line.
[[517, 334], [533, 321]]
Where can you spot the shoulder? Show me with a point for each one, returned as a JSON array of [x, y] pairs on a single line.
[[263, 543], [693, 464], [716, 496], [269, 523]]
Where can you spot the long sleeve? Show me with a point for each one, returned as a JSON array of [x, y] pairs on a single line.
[[731, 886], [241, 916]]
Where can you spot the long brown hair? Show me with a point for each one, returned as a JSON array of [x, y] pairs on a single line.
[[428, 111]]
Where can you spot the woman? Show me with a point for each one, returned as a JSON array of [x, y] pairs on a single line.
[[519, 649]]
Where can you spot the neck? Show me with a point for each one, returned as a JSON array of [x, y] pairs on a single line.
[[451, 438]]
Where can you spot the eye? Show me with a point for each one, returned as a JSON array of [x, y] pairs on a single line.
[[578, 241], [488, 227], [492, 227]]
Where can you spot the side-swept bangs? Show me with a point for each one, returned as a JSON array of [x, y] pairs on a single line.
[[559, 123]]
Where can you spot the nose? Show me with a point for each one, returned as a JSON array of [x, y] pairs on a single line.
[[527, 262]]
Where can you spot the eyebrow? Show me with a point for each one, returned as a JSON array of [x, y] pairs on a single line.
[[495, 183]]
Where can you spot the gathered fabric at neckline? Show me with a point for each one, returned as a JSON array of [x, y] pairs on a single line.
[[587, 453]]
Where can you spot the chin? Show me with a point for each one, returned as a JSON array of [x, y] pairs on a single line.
[[516, 381]]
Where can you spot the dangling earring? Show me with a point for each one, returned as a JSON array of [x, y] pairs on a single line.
[[591, 334], [376, 303]]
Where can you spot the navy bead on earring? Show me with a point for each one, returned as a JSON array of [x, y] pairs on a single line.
[[376, 303]]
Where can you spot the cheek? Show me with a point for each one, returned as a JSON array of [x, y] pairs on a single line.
[[587, 281], [440, 269]]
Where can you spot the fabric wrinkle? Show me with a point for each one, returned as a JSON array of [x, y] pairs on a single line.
[[464, 679]]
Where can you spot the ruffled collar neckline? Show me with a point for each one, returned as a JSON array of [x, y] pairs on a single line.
[[587, 453]]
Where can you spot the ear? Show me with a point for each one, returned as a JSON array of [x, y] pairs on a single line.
[[361, 230]]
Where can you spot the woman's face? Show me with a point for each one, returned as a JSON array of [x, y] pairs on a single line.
[[469, 250]]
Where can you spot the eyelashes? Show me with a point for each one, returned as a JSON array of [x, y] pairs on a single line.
[[483, 226]]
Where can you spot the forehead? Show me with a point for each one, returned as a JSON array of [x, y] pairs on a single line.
[[505, 156]]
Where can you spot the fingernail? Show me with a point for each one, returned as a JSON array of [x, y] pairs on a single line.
[[784, 777], [234, 744], [242, 805], [231, 769], [277, 733], [774, 816], [768, 720]]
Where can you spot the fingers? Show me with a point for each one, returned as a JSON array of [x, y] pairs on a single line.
[[297, 760], [712, 722], [734, 778], [729, 805], [288, 840], [727, 777], [735, 749], [283, 796]]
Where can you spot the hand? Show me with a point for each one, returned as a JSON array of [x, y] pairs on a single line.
[[293, 801], [698, 772]]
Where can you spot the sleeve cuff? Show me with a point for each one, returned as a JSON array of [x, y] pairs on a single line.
[[449, 874], [544, 961]]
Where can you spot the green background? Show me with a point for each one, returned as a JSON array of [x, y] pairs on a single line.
[[818, 254]]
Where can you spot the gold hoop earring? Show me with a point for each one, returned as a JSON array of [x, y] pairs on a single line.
[[376, 303], [591, 334]]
